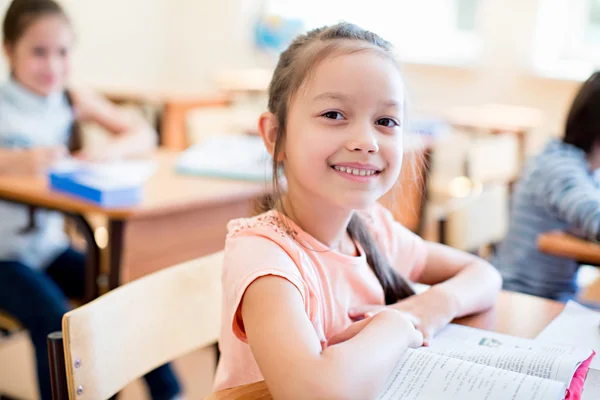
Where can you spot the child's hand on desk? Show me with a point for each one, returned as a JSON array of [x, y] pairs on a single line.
[[408, 321], [434, 309], [112, 152], [99, 156], [35, 160]]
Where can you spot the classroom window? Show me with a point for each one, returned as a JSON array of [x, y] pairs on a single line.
[[424, 31], [567, 39]]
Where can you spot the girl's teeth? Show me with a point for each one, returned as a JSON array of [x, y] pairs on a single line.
[[356, 171]]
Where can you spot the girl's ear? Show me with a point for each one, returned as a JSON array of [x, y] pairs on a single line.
[[7, 48], [268, 127]]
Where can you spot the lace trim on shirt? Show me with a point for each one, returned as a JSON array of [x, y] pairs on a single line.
[[268, 220]]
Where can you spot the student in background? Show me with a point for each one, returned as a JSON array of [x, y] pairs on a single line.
[[307, 282], [38, 121], [557, 191]]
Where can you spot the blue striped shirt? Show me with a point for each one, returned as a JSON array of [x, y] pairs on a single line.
[[557, 192]]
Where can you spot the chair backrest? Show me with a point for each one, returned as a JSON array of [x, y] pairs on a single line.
[[479, 220], [493, 158], [135, 328]]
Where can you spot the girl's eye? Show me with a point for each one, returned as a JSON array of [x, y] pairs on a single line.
[[333, 115], [39, 51], [63, 52], [387, 122]]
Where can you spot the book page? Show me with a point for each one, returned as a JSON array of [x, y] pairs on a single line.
[[548, 365], [576, 325], [228, 156], [421, 374], [512, 353], [591, 387]]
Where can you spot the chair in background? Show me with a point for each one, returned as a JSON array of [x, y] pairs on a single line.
[[135, 328], [477, 221], [493, 159], [17, 361], [469, 187]]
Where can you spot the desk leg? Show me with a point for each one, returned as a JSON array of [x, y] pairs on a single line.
[[442, 223], [92, 258], [522, 144], [116, 230]]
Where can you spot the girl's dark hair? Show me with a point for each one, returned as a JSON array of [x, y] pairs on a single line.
[[294, 66], [583, 122], [22, 13]]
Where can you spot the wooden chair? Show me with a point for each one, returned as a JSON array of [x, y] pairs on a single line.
[[473, 222], [17, 361], [117, 338]]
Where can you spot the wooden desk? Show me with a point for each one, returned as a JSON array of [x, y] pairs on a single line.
[[562, 244], [180, 218], [515, 314]]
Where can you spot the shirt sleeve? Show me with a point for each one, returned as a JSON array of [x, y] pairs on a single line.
[[570, 191], [249, 257]]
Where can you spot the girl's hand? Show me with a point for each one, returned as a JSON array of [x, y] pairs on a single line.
[[116, 151], [406, 325], [349, 332], [106, 154], [415, 338], [434, 309], [36, 160]]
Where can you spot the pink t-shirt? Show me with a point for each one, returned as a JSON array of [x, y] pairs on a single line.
[[329, 282]]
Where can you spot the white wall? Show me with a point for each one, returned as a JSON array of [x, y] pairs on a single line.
[[504, 74], [205, 36], [119, 43]]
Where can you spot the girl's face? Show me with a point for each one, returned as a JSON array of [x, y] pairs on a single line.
[[344, 131], [40, 58]]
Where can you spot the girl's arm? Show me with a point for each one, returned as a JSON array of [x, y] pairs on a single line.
[[133, 134], [291, 358], [572, 194], [469, 283], [29, 161], [461, 284]]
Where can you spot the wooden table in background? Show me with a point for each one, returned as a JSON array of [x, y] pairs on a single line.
[[562, 244], [179, 219], [514, 314]]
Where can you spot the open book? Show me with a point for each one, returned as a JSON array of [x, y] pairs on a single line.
[[240, 157], [472, 364]]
